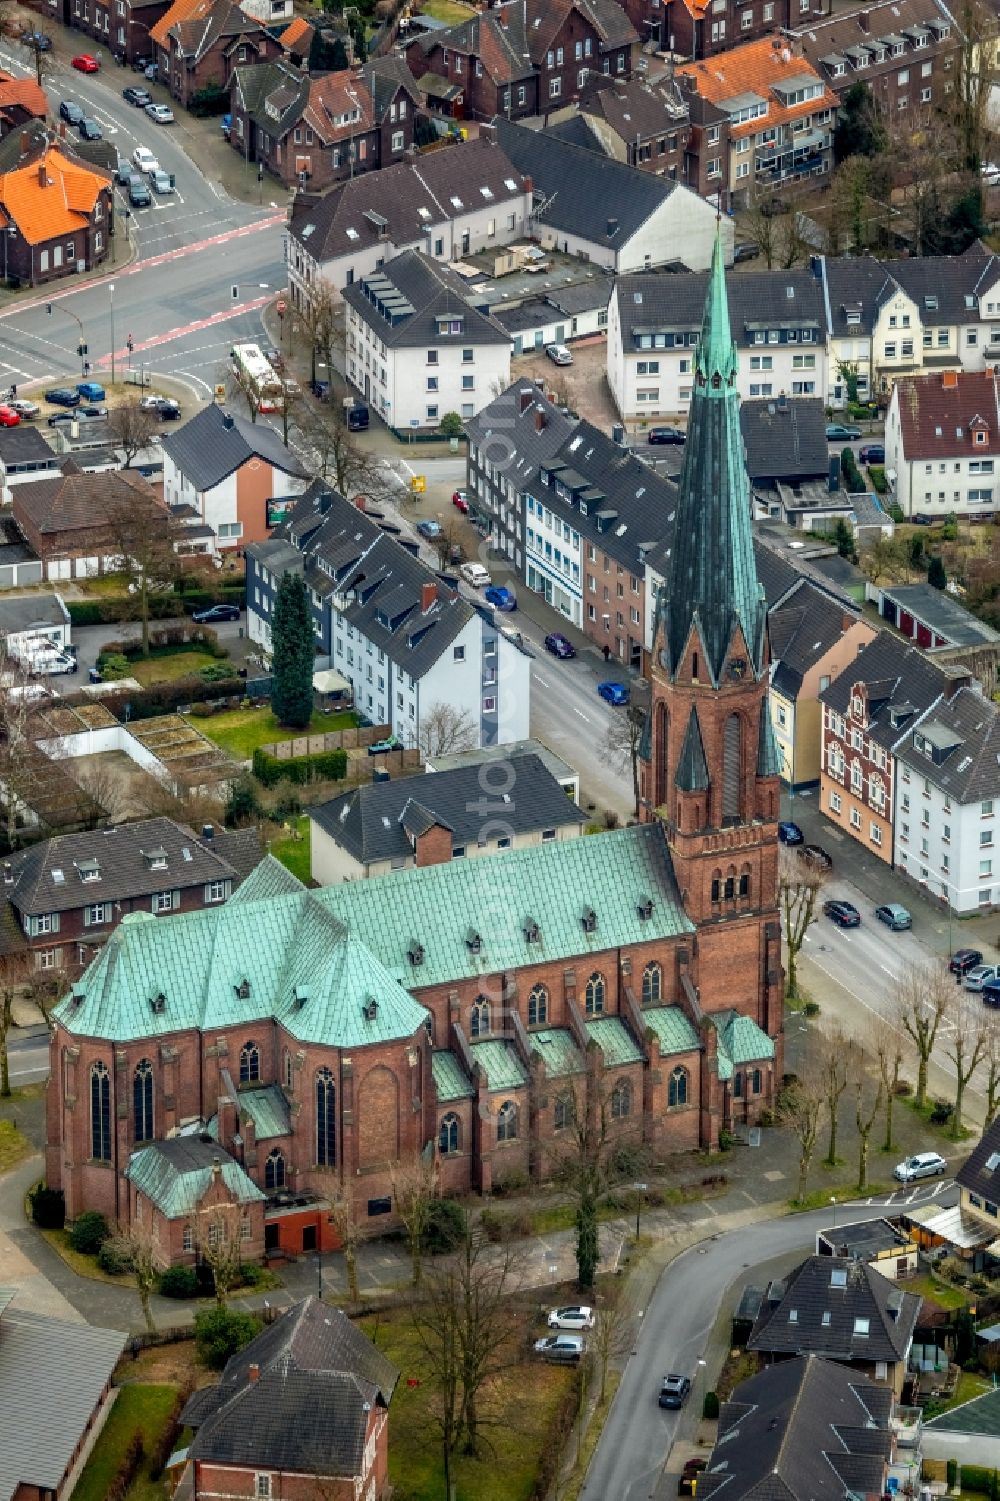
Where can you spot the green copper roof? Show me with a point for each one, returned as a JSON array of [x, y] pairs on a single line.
[[502, 1066], [558, 1051], [740, 1041], [712, 585], [449, 1077], [174, 1175], [269, 878], [268, 1109], [692, 769], [768, 754], [672, 1029], [615, 1040]]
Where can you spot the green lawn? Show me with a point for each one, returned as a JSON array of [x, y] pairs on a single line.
[[171, 666], [929, 1286], [142, 1408], [294, 853], [514, 1441], [241, 731], [14, 1146], [84, 1266], [447, 10]]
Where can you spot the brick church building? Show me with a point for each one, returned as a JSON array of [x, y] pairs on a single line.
[[258, 1054]]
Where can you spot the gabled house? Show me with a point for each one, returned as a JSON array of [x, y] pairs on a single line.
[[644, 124], [696, 29], [123, 26], [524, 58], [302, 1410], [234, 472], [978, 1182], [311, 132], [199, 44], [55, 216], [67, 518], [21, 100], [843, 1310], [942, 444], [188, 1188]]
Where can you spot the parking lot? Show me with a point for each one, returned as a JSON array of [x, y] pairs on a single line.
[[582, 386]]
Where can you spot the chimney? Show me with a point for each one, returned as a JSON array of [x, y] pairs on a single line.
[[539, 419], [62, 130], [208, 832], [863, 20], [949, 379], [846, 621], [528, 184], [428, 597], [524, 400], [360, 502], [25, 142], [42, 179], [228, 421], [488, 133], [8, 873], [253, 1373]]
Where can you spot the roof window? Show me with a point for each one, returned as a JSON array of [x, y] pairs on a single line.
[[415, 952], [589, 920], [158, 1004], [88, 870], [838, 1277], [370, 1009]]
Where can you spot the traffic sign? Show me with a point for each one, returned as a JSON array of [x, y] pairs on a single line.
[[418, 484], [220, 392]]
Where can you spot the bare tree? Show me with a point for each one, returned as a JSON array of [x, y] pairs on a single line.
[[143, 534], [965, 1042], [611, 1337], [866, 1082], [22, 767], [415, 1187], [104, 783], [886, 1046], [131, 427], [833, 1069], [991, 1057], [16, 969], [621, 745], [884, 559], [800, 884], [322, 321], [220, 1246], [445, 729], [923, 997], [137, 1247], [977, 29], [800, 1108], [339, 459], [239, 383], [760, 222], [345, 1222]]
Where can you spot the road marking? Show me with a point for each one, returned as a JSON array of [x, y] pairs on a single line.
[[179, 333], [581, 713]]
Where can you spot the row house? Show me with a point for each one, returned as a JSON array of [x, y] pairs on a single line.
[[906, 51], [405, 640], [773, 120], [882, 697], [696, 29], [861, 326], [947, 826], [123, 26], [524, 58], [199, 44], [316, 131], [942, 438], [57, 211], [572, 511], [646, 125]]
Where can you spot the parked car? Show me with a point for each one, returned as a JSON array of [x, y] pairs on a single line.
[[63, 396], [816, 855], [790, 833], [161, 182], [844, 914], [990, 173], [89, 130], [991, 993], [962, 960], [613, 693], [144, 159], [140, 97], [85, 63], [981, 975], [922, 1165], [746, 251], [160, 113], [81, 414], [894, 916], [476, 575], [358, 418], [8, 416], [461, 502], [383, 747], [70, 112], [566, 1348], [559, 354], [212, 613], [841, 432], [36, 40], [24, 409], [169, 410], [140, 64], [579, 1316], [500, 597], [556, 643], [666, 435], [674, 1390], [429, 529], [91, 390], [151, 71], [872, 453], [139, 195]]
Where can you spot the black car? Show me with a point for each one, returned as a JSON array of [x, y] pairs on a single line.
[[844, 914], [815, 854], [138, 194], [790, 833], [214, 613], [872, 453], [990, 993], [747, 251], [557, 644], [89, 130], [666, 435], [135, 95], [674, 1391], [63, 396], [70, 112], [962, 960]]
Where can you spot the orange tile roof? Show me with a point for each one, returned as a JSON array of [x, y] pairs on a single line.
[[66, 200], [755, 68], [181, 10], [295, 32], [25, 92]]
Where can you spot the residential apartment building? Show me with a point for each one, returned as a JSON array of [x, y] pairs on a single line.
[[311, 132], [947, 826], [703, 28], [407, 642], [942, 444], [68, 518], [774, 120], [523, 58], [452, 202], [199, 44], [880, 698], [123, 26], [416, 346], [646, 125], [905, 50], [572, 510]]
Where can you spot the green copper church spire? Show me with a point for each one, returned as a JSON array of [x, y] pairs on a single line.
[[712, 585]]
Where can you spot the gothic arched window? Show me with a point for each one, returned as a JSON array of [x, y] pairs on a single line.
[[274, 1170], [677, 1093], [732, 762], [479, 1024], [448, 1136], [249, 1063], [593, 995], [326, 1119], [621, 1100], [100, 1113], [652, 982], [538, 1006], [142, 1101]]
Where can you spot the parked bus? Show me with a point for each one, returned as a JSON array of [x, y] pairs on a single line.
[[257, 377]]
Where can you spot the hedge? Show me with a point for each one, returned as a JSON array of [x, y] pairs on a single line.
[[166, 698], [270, 770], [977, 1478], [115, 607]]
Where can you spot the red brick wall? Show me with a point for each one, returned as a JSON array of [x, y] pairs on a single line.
[[212, 1481]]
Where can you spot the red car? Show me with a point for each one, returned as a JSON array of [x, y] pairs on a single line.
[[8, 417], [461, 502], [86, 64]]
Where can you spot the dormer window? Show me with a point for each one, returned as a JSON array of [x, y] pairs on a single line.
[[645, 909], [156, 859], [415, 953], [243, 990], [88, 870], [532, 932], [589, 920], [857, 706], [370, 1009], [300, 996], [158, 1004], [473, 942]]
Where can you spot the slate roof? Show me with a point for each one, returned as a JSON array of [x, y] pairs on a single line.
[[965, 734], [214, 443], [870, 1318], [581, 190], [897, 676], [75, 500], [368, 820], [513, 39], [937, 414], [940, 284], [801, 1430], [175, 1175], [24, 612], [384, 77], [942, 613], [25, 445], [651, 301], [785, 439], [823, 37], [801, 631], [856, 286], [278, 82], [397, 194], [634, 108], [52, 1376], [49, 877], [307, 1407], [976, 1174], [431, 291]]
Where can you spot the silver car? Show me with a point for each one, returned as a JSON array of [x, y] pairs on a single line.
[[981, 975], [161, 182], [559, 354], [922, 1165], [567, 1348]]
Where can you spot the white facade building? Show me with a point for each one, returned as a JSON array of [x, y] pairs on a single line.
[[942, 444]]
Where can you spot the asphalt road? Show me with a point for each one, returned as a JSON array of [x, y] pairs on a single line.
[[676, 1326], [28, 1053]]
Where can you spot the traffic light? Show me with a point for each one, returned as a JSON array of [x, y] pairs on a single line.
[[81, 349], [13, 393], [49, 309], [128, 344], [236, 293]]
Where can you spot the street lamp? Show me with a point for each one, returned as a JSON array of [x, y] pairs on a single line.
[[111, 305], [81, 347], [638, 1189], [11, 232]]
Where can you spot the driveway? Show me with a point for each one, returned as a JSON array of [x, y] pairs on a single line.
[[583, 386]]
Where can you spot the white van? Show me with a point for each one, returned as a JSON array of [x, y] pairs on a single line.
[[476, 575]]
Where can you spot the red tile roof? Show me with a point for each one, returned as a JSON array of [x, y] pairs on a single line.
[[939, 414], [755, 68]]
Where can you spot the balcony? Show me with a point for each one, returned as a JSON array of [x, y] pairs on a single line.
[[907, 1424]]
